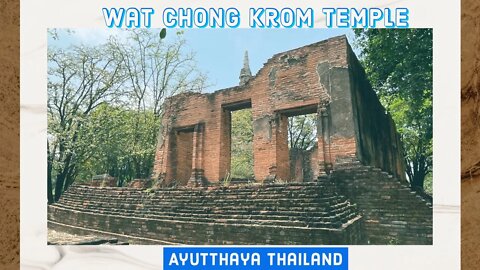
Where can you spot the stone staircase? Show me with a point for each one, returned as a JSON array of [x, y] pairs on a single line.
[[293, 213], [393, 213]]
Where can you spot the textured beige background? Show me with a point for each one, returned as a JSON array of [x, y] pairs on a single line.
[[470, 134], [9, 135]]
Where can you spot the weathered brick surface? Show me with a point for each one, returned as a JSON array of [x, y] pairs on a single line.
[[182, 161], [308, 213], [304, 165], [378, 143], [140, 183], [394, 214], [107, 182], [294, 82], [323, 78]]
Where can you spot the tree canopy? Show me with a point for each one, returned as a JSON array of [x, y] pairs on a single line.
[[302, 131], [398, 63], [242, 144], [105, 104]]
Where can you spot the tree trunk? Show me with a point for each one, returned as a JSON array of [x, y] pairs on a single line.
[[49, 182], [49, 175], [60, 183], [418, 178], [59, 186]]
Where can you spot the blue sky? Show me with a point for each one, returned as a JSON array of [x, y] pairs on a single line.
[[219, 52]]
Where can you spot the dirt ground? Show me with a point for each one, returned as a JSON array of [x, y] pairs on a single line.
[[63, 238], [470, 134], [9, 135]]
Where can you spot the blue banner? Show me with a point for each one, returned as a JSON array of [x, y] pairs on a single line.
[[255, 258]]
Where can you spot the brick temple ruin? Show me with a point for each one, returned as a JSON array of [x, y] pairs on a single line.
[[323, 78], [359, 194]]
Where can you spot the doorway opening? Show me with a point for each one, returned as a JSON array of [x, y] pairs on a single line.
[[182, 159], [303, 147], [241, 162]]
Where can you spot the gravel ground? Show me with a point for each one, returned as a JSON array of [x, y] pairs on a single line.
[[63, 238]]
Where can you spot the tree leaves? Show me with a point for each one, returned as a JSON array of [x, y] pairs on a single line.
[[163, 33], [302, 131], [242, 144], [110, 132], [105, 103], [399, 65]]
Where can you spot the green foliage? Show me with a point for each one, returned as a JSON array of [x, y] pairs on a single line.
[[428, 185], [79, 80], [398, 63], [242, 144], [163, 33], [105, 103], [302, 131], [227, 179], [111, 132]]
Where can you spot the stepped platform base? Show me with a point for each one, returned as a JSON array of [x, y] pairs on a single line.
[[394, 214], [272, 214], [213, 234], [355, 204]]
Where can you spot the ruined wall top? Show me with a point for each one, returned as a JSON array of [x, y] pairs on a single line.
[[284, 73]]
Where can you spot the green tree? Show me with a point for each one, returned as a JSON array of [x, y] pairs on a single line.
[[154, 69], [398, 63], [105, 102], [242, 144], [302, 131], [79, 80], [112, 129]]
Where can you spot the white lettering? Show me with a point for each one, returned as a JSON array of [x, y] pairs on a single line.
[[327, 259], [223, 259], [316, 259], [182, 258], [173, 260], [245, 257], [256, 259], [337, 259]]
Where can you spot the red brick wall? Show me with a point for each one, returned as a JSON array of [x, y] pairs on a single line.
[[289, 80], [282, 155], [378, 142], [183, 164]]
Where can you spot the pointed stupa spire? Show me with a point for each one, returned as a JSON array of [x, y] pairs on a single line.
[[245, 73]]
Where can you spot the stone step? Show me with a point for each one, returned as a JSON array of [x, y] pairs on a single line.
[[306, 207], [265, 187], [231, 219], [318, 212], [206, 200], [208, 217], [185, 197], [389, 207]]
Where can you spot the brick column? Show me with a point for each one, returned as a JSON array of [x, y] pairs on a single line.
[[282, 151], [197, 178], [162, 155], [224, 143], [278, 157], [323, 135]]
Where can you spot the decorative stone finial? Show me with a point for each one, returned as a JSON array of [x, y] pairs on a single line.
[[245, 73]]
